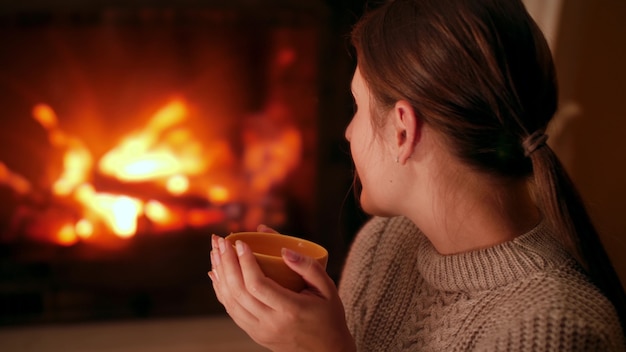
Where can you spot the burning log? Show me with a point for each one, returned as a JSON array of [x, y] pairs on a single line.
[[149, 190]]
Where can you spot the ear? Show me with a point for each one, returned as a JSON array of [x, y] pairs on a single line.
[[407, 129]]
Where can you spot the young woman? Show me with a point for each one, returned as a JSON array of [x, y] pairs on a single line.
[[479, 240]]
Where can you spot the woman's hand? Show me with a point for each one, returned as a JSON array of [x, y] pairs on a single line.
[[273, 316]]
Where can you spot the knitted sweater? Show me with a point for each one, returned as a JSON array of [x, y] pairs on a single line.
[[527, 294]]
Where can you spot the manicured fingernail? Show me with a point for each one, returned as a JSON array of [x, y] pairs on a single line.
[[214, 241], [215, 258], [220, 243], [291, 255], [239, 247]]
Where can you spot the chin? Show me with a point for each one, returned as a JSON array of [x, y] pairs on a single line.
[[370, 207]]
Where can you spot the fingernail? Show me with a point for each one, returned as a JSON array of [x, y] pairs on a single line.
[[261, 228], [291, 255], [220, 243], [215, 258], [239, 247], [214, 241]]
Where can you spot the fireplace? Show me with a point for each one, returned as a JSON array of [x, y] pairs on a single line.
[[130, 133]]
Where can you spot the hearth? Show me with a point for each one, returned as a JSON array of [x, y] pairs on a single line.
[[132, 131]]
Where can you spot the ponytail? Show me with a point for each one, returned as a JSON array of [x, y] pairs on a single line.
[[565, 212]]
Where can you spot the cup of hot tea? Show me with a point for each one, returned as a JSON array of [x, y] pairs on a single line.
[[267, 247]]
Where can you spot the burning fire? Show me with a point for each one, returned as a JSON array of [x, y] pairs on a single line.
[[152, 174]]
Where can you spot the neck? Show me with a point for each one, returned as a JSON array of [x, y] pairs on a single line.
[[475, 212], [458, 208]]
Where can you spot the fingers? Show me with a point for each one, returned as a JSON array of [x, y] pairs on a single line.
[[240, 315], [311, 271], [272, 315], [264, 228], [236, 311], [229, 285], [260, 286], [240, 285]]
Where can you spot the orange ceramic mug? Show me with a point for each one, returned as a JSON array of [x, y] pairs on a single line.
[[266, 248]]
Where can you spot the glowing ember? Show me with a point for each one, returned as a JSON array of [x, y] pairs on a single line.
[[219, 194], [83, 228], [158, 212], [16, 182], [177, 184], [67, 236]]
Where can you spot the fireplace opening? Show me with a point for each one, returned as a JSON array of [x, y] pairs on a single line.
[[130, 134]]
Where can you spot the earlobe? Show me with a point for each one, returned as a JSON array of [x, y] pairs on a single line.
[[408, 130]]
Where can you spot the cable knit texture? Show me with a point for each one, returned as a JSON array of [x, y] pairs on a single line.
[[527, 294]]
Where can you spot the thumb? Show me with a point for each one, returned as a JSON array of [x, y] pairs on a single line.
[[311, 271], [265, 228]]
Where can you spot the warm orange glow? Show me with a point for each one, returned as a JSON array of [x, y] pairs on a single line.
[[45, 116], [157, 212], [177, 184], [119, 213], [145, 166], [269, 160], [219, 194], [76, 168], [66, 235], [167, 116], [162, 160], [84, 228], [146, 154], [77, 160], [13, 180], [199, 217], [57, 138]]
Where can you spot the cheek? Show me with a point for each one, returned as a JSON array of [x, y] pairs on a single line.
[[370, 172], [361, 139], [362, 154]]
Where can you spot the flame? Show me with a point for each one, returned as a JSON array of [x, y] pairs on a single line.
[[148, 154], [77, 160], [164, 153], [158, 151], [13, 180], [118, 212]]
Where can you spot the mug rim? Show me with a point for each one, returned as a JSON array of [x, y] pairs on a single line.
[[234, 235]]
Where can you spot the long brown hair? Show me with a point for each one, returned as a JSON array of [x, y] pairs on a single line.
[[481, 73]]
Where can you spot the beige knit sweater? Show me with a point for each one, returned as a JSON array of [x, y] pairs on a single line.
[[524, 295]]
